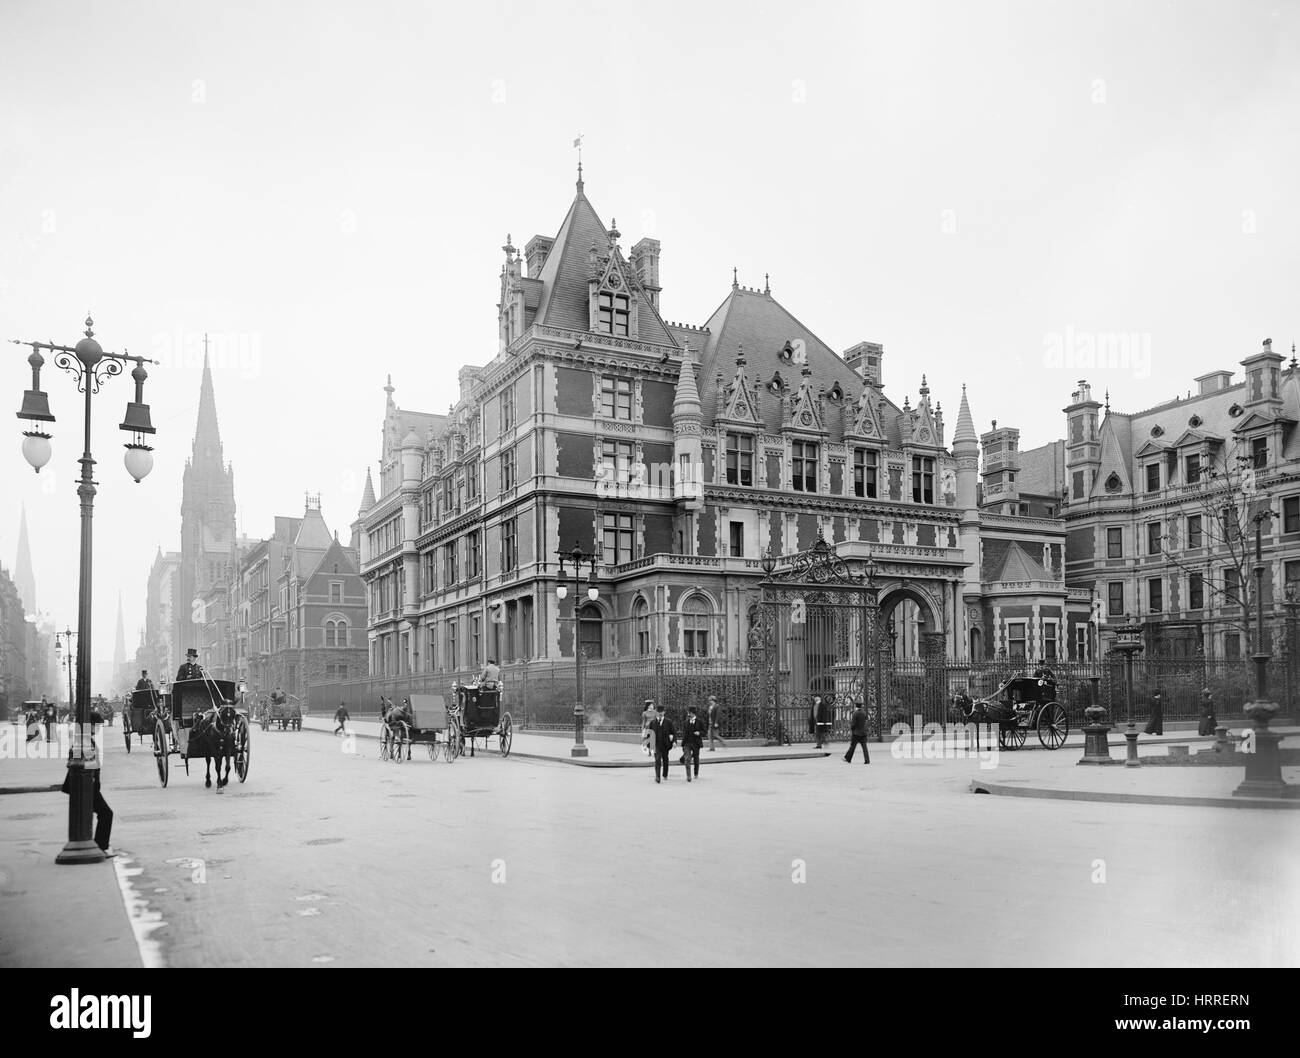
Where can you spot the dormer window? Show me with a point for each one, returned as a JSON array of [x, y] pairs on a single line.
[[923, 479], [1193, 469], [804, 466], [866, 469], [612, 314], [1259, 452], [1153, 477]]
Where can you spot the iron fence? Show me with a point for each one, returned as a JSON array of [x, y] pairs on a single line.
[[541, 694]]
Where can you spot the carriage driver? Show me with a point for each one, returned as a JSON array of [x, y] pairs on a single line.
[[190, 670], [490, 676]]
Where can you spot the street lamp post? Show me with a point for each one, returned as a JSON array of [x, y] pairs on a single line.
[[58, 648], [1291, 604], [1128, 641], [89, 365], [577, 558]]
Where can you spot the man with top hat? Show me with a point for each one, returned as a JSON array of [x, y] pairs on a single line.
[[663, 734], [144, 683], [190, 670], [692, 742]]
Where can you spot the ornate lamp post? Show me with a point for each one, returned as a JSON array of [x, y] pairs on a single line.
[[871, 636], [1292, 607], [577, 558], [58, 648], [1263, 765], [90, 365], [1128, 641]]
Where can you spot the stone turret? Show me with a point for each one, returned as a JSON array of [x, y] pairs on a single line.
[[688, 419]]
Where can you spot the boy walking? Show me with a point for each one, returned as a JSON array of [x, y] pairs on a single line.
[[715, 722], [692, 742], [858, 733]]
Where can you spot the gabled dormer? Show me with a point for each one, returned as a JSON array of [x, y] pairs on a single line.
[[613, 295], [805, 408], [739, 404], [924, 430]]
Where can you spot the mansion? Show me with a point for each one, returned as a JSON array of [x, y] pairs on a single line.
[[679, 455]]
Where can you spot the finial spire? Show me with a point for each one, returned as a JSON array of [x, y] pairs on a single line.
[[578, 143], [90, 323], [1108, 402], [735, 280], [767, 283]]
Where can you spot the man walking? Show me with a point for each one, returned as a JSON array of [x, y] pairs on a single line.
[[858, 733], [715, 722], [664, 735], [341, 718], [692, 742], [103, 814]]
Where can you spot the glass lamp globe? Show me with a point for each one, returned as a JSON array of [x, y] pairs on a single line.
[[561, 591], [37, 449], [593, 593], [139, 461]]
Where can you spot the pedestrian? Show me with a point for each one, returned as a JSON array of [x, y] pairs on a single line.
[[647, 725], [1156, 725], [103, 814], [1208, 720], [664, 735], [822, 719], [858, 733], [715, 722], [692, 742], [341, 718]]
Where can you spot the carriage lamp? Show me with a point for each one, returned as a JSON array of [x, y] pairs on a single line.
[[593, 589], [36, 410], [768, 562], [139, 456]]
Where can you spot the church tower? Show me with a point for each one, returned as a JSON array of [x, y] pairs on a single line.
[[207, 517]]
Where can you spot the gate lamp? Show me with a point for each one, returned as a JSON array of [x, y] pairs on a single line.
[[36, 410]]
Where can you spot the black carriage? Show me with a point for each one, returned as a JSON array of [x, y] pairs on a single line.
[[1022, 703], [172, 718], [428, 722], [478, 714]]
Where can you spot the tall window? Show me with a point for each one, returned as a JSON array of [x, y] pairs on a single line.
[[641, 627], [450, 565], [471, 480], [612, 314], [1153, 477], [508, 468], [1291, 514], [696, 618], [1193, 469], [1194, 538], [865, 470], [336, 632], [453, 655], [1195, 591], [1153, 538], [618, 538], [1232, 646], [1156, 595], [508, 407], [1115, 598], [476, 639], [740, 459], [509, 546], [923, 479], [1231, 587], [336, 592], [737, 541], [1115, 542], [1049, 641], [1016, 639], [1259, 452], [474, 555], [804, 466], [591, 635], [616, 461], [616, 398]]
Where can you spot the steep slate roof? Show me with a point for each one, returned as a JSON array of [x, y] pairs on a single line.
[[566, 274], [760, 323], [1116, 453], [1042, 470]]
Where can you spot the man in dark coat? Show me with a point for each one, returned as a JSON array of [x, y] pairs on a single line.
[[1208, 720], [144, 683], [663, 734], [103, 814], [822, 718], [692, 742], [858, 733], [1156, 725], [190, 670]]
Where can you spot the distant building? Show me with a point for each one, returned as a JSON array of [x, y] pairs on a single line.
[[14, 673]]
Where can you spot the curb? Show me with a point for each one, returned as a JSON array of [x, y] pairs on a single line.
[[588, 763], [55, 788], [978, 787]]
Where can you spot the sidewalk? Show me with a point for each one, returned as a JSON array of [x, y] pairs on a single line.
[[601, 753], [55, 916]]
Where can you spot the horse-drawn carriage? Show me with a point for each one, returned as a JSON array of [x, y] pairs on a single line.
[[1021, 703], [473, 713], [199, 719], [283, 709]]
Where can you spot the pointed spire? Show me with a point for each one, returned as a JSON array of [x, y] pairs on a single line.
[[735, 278], [367, 495], [24, 579], [509, 249], [965, 431], [686, 401], [767, 283], [119, 644], [207, 436], [388, 389]]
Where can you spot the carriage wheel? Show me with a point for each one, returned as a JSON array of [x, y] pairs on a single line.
[[399, 739], [432, 747], [384, 738], [506, 732], [243, 749], [449, 753], [127, 735], [1012, 737], [160, 753], [1053, 725], [266, 724]]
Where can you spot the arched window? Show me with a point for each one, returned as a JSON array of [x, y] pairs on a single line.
[[641, 627], [697, 617], [591, 635], [336, 631]]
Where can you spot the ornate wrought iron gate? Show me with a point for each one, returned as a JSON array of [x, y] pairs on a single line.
[[815, 638]]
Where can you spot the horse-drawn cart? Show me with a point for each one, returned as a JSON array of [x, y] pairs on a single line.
[[1021, 703], [478, 714], [283, 709], [199, 719], [422, 724]]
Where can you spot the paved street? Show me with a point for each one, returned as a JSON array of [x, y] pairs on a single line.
[[324, 857]]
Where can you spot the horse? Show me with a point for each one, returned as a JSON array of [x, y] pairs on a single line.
[[213, 736]]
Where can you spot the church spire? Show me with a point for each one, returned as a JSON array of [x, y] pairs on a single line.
[[119, 644], [24, 580], [207, 437]]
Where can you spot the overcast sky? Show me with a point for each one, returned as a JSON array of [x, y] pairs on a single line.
[[324, 187]]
